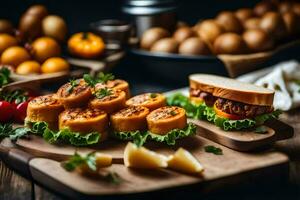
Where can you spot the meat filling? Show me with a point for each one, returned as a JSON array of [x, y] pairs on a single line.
[[229, 106], [208, 98], [241, 109]]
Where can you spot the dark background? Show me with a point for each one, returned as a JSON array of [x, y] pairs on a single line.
[[79, 13]]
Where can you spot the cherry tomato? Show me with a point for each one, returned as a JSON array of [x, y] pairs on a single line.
[[6, 111], [20, 112]]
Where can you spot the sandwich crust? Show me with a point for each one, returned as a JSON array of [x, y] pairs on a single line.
[[231, 89]]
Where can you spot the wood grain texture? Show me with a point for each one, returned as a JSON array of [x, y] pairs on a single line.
[[137, 181]]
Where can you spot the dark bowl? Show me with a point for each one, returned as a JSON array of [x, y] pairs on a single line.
[[176, 67]]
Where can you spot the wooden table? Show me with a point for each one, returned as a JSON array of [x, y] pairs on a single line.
[[13, 186]]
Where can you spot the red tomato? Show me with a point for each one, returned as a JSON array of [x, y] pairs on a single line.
[[6, 111], [20, 112]]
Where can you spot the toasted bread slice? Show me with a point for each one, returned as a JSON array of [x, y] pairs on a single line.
[[130, 119], [117, 84], [76, 97], [44, 108], [232, 89], [84, 121], [114, 101], [149, 100], [165, 119]]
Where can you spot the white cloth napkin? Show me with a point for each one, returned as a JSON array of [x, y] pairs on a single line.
[[284, 78]]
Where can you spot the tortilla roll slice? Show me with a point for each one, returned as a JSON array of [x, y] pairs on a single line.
[[45, 108], [84, 121], [117, 84], [165, 119], [149, 100], [110, 102], [130, 119], [74, 96]]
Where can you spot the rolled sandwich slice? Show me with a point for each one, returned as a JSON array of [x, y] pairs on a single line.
[[150, 100], [44, 108], [108, 100], [168, 124], [117, 84], [74, 94], [84, 121], [231, 104]]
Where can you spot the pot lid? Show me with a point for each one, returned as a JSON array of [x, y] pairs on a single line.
[[148, 7]]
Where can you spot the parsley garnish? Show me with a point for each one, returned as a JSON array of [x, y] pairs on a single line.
[[114, 178], [153, 95], [78, 160], [100, 78], [7, 130], [103, 92], [173, 113], [18, 95], [213, 149], [261, 129], [73, 84], [4, 76]]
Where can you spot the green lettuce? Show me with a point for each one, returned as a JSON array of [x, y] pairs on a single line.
[[204, 112], [140, 138], [64, 135]]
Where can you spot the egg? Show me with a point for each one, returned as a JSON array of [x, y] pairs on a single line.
[[209, 30], [194, 46], [30, 27], [273, 23], [6, 26], [183, 33], [152, 35], [39, 11], [229, 22], [165, 45], [257, 40], [229, 43]]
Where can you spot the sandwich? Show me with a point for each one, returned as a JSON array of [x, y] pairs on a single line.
[[228, 103]]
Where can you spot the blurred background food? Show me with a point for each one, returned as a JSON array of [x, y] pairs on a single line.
[[263, 27]]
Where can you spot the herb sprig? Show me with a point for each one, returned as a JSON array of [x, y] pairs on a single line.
[[4, 76], [100, 78], [103, 92], [18, 95], [73, 83], [7, 130], [213, 149], [78, 160]]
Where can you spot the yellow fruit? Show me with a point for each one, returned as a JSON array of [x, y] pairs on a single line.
[[184, 161], [55, 64], [140, 157], [6, 41], [28, 67], [14, 56], [44, 48]]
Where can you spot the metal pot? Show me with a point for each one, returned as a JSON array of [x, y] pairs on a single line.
[[150, 13]]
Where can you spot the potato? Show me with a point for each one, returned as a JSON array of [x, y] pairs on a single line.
[[229, 43], [152, 35], [165, 45], [229, 22], [257, 40], [194, 46], [55, 27]]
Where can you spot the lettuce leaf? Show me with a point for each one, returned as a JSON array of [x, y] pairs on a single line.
[[139, 138], [64, 135], [175, 134], [207, 113]]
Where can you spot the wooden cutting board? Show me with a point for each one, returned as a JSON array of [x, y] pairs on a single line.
[[220, 170]]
